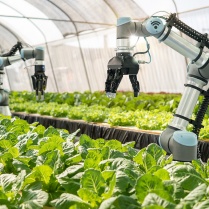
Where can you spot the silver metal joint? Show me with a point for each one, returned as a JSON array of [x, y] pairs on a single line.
[[123, 45]]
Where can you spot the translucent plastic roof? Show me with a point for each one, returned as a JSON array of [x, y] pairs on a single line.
[[41, 21], [79, 38]]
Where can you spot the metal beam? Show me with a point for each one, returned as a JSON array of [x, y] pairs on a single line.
[[58, 20], [40, 32], [81, 52]]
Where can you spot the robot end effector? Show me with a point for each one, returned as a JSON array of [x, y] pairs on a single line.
[[124, 62], [39, 79]]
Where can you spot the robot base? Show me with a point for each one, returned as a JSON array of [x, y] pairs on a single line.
[[182, 144], [4, 110]]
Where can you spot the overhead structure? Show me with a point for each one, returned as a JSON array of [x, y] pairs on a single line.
[[79, 38]]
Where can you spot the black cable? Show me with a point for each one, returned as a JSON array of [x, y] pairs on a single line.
[[148, 48], [147, 51], [184, 28]]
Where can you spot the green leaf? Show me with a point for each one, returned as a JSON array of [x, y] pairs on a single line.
[[10, 137], [68, 149], [56, 139], [110, 178], [196, 195], [6, 181], [148, 161], [24, 142], [155, 151], [127, 145], [202, 205], [6, 159], [115, 154], [200, 167], [19, 181], [70, 178], [71, 171], [86, 141], [6, 122], [99, 143], [108, 174], [49, 146], [120, 202], [122, 182], [114, 144], [162, 174], [40, 129], [149, 183], [128, 167], [1, 167], [33, 199], [5, 144], [178, 192], [53, 160], [132, 152], [14, 151], [187, 177], [72, 136], [90, 196], [51, 131], [154, 200], [83, 151], [73, 160], [2, 130], [93, 180], [70, 185], [138, 157], [39, 173], [67, 200], [93, 158], [164, 160]]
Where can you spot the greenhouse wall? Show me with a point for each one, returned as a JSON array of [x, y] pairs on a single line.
[[77, 61]]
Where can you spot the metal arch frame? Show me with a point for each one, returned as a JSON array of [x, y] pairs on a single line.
[[177, 13], [18, 39], [11, 31], [59, 20], [43, 37], [77, 35], [81, 52]]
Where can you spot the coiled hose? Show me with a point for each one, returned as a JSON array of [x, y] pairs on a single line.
[[186, 29], [200, 115], [175, 22], [199, 119]]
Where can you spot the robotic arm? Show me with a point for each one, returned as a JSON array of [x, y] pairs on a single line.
[[39, 79], [175, 139]]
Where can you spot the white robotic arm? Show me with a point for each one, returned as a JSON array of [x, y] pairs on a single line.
[[175, 139], [39, 79]]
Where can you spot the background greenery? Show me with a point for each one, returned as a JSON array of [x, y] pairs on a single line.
[[147, 111]]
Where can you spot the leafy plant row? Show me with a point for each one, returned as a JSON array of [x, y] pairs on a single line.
[[147, 112], [125, 100], [42, 167]]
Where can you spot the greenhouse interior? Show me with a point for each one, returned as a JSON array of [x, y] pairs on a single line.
[[104, 104]]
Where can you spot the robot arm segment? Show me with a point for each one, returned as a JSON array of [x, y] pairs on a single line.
[[175, 139], [39, 79], [124, 62], [13, 50]]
